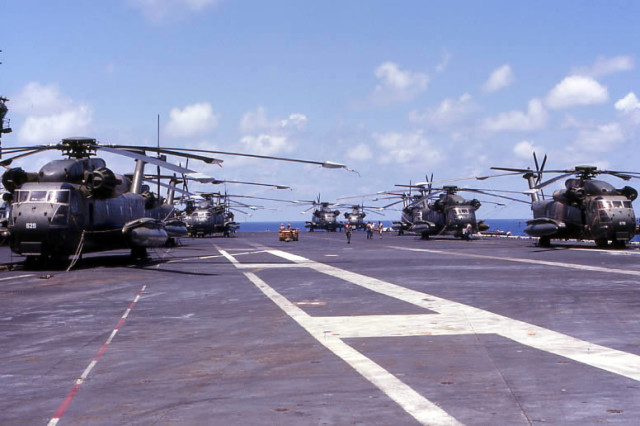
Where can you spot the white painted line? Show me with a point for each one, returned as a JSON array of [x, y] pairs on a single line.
[[530, 261], [456, 316], [423, 410], [16, 277]]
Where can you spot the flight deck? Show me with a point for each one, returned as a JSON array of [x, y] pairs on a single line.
[[250, 330]]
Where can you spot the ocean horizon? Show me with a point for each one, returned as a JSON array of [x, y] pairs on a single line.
[[515, 226]]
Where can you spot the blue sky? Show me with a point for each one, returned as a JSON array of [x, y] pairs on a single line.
[[395, 90]]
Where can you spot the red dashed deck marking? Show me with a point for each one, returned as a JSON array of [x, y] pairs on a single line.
[[67, 401]]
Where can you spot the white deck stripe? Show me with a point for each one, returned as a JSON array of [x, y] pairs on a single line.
[[16, 277], [530, 261], [457, 316], [423, 410]]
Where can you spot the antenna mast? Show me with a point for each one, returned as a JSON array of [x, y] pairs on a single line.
[[4, 124]]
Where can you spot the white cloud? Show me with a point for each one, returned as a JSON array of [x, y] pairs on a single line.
[[499, 79], [535, 118], [603, 66], [396, 85], [295, 121], [50, 115], [39, 99], [602, 138], [360, 152], [51, 128], [444, 63], [525, 150], [157, 10], [450, 111], [628, 104], [193, 120], [257, 121], [264, 144], [576, 90], [404, 148], [266, 136]]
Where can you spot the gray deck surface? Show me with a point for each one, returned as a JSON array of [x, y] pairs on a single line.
[[253, 331]]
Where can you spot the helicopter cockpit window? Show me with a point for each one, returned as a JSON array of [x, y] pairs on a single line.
[[58, 196], [38, 196], [627, 204], [617, 204], [22, 196], [603, 205]]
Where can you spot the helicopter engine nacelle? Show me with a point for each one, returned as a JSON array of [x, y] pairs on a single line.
[[14, 178], [475, 204], [629, 192], [573, 195], [72, 171], [102, 183]]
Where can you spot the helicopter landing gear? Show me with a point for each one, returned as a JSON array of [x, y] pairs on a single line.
[[544, 242], [618, 244], [139, 254], [602, 242], [424, 235]]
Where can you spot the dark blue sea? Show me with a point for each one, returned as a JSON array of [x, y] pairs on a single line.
[[515, 226]]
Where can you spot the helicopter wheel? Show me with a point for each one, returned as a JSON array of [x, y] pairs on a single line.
[[424, 235], [619, 244], [139, 253], [544, 242], [602, 242]]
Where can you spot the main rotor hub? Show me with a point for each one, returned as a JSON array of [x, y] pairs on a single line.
[[586, 172], [78, 147]]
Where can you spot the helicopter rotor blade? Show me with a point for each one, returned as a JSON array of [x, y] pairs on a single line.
[[554, 179], [324, 164], [165, 185], [202, 178], [25, 153], [498, 196], [147, 159]]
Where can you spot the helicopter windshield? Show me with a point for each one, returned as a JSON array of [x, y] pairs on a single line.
[[603, 205], [53, 196], [462, 211]]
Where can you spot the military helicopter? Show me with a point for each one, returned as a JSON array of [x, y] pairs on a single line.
[[440, 211], [322, 217], [211, 215], [212, 212], [357, 214], [586, 209], [78, 205], [215, 213]]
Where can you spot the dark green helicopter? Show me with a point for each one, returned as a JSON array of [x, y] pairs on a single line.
[[323, 217], [78, 205], [357, 214], [214, 213], [586, 209], [440, 211]]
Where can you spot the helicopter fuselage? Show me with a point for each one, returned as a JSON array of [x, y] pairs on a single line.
[[52, 218], [586, 209], [448, 215], [599, 218], [209, 219], [324, 219]]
